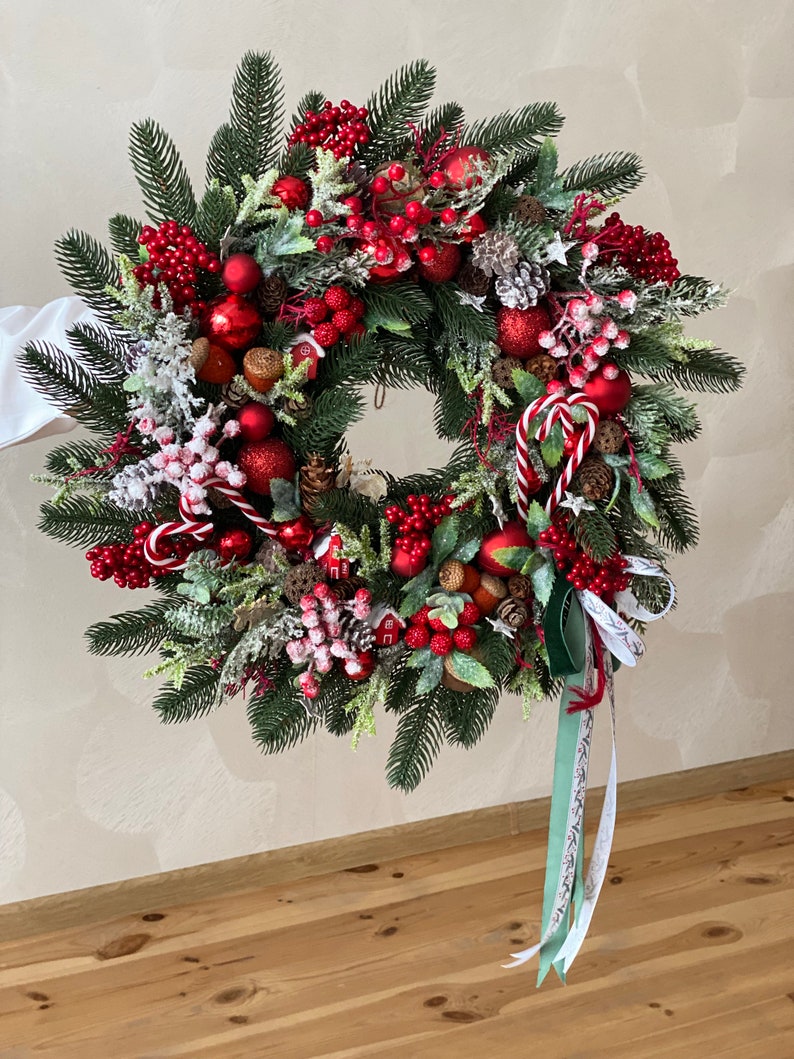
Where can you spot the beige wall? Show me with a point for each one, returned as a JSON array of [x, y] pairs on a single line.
[[91, 787]]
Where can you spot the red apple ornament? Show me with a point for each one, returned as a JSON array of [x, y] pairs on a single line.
[[610, 396], [296, 535], [458, 165], [234, 543], [511, 535]]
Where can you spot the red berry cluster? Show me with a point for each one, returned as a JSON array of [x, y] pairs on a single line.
[[425, 631], [336, 129], [174, 256], [644, 254], [582, 571], [415, 526], [336, 314], [127, 564]]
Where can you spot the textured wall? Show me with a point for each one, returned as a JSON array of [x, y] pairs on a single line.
[[91, 787]]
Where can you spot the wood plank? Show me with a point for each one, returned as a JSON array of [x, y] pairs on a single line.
[[281, 866]]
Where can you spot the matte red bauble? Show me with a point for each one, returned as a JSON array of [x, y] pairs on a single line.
[[517, 330], [444, 265], [511, 535], [296, 535], [292, 191], [234, 543], [262, 461], [458, 165], [366, 659], [610, 396], [230, 321], [406, 565], [241, 274], [256, 421]]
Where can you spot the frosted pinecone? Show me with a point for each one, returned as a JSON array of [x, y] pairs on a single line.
[[495, 253], [523, 285], [355, 633], [137, 487], [134, 353]]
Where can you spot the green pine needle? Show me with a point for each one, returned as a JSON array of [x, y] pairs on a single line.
[[611, 174], [518, 130], [161, 174]]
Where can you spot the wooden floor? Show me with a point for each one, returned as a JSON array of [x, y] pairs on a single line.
[[691, 955]]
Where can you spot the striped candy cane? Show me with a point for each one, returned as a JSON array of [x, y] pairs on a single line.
[[200, 530], [558, 409]]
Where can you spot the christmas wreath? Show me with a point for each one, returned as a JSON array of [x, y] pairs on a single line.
[[386, 245]]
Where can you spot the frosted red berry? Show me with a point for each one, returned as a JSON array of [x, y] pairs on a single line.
[[441, 643], [422, 615], [470, 614], [326, 335], [417, 636], [464, 638], [337, 297]]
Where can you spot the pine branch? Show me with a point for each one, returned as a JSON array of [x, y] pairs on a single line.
[[124, 232], [257, 112], [72, 387], [403, 362], [345, 506], [498, 653], [222, 158], [278, 718], [416, 744], [678, 519], [89, 269], [595, 534], [705, 370], [462, 321], [334, 412], [65, 459], [84, 521], [453, 408], [195, 697], [100, 350], [132, 632], [519, 130], [215, 213], [611, 174], [657, 414], [467, 715], [402, 687], [404, 302], [161, 174], [443, 121], [299, 159], [401, 99], [336, 691]]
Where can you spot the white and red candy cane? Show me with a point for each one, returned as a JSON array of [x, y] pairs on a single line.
[[189, 527], [558, 408]]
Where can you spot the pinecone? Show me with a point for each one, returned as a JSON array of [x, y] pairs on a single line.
[[595, 478], [271, 294], [542, 366], [233, 395], [345, 588], [502, 371], [451, 575], [301, 579], [299, 408], [513, 612], [268, 555], [523, 285], [354, 632], [520, 586], [473, 280], [495, 252], [609, 437], [316, 478], [199, 352], [528, 210]]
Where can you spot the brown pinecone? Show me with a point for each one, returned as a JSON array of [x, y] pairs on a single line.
[[269, 554], [233, 395], [520, 586], [301, 579], [513, 612], [542, 366], [502, 371], [298, 407], [473, 280], [451, 575], [529, 210], [199, 352], [609, 437], [345, 588], [271, 294], [355, 632], [595, 478], [316, 478]]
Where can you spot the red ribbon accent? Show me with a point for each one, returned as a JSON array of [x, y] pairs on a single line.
[[583, 206], [120, 447], [499, 428], [588, 699]]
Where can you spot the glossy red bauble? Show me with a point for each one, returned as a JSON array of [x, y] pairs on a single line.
[[610, 396], [444, 266], [296, 535], [292, 191], [473, 228], [517, 330], [458, 165], [404, 564], [262, 461], [511, 535], [366, 660], [231, 321], [234, 543], [241, 273], [256, 421]]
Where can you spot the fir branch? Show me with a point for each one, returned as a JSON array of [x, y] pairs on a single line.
[[336, 691], [278, 718], [215, 213], [705, 370], [345, 507], [89, 269], [101, 350], [257, 112], [334, 412], [299, 159], [222, 158], [161, 174], [83, 521], [400, 100], [197, 694], [72, 388], [617, 173], [132, 632], [466, 716], [459, 320], [595, 534], [678, 522], [416, 743], [518, 130], [397, 301], [124, 232], [442, 125], [74, 456]]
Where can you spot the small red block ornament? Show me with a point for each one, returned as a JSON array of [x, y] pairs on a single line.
[[241, 274], [235, 543], [443, 266], [262, 461], [517, 330], [231, 321], [511, 535], [297, 534], [405, 564], [256, 421], [610, 396], [458, 165]]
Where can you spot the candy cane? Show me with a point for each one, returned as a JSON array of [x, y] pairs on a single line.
[[201, 530], [558, 408]]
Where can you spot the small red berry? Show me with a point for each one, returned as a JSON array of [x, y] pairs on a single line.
[[413, 210], [441, 643], [314, 218], [324, 244], [417, 636], [421, 615], [380, 185], [357, 307], [396, 171], [470, 614], [337, 298], [344, 321], [326, 334], [315, 310], [428, 254], [438, 179], [464, 638], [437, 625]]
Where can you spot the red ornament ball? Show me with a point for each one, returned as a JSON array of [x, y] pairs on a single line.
[[234, 543], [458, 167], [511, 535], [443, 266], [405, 563], [517, 330], [297, 534], [610, 396], [256, 421], [241, 274], [366, 666], [292, 191], [230, 321], [262, 461]]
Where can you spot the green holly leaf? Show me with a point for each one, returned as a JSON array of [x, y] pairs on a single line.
[[419, 658], [286, 500], [543, 580], [469, 669], [546, 165], [552, 448], [445, 537], [431, 675], [373, 319], [555, 197], [465, 552], [416, 591], [284, 238], [514, 557], [537, 520], [643, 504], [529, 388], [651, 467]]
